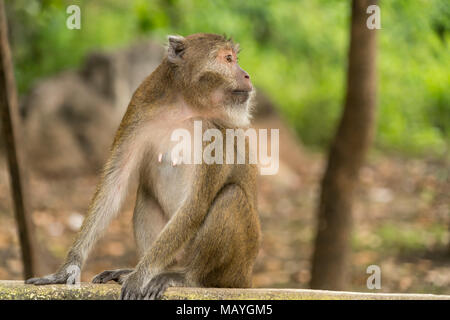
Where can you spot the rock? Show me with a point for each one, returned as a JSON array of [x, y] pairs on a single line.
[[70, 118], [17, 290]]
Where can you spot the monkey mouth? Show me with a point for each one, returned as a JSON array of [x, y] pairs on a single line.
[[241, 95], [241, 92]]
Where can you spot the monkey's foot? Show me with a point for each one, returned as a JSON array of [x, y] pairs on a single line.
[[68, 274], [114, 275], [50, 279], [154, 289]]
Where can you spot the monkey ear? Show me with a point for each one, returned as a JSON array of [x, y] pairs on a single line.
[[176, 48]]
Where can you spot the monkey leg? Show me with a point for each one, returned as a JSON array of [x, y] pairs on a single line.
[[148, 221], [223, 251], [114, 275], [221, 254], [159, 283]]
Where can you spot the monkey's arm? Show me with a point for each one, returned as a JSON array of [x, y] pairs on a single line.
[[106, 203], [187, 220], [108, 198]]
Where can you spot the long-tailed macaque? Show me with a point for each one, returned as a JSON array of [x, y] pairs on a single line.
[[194, 224]]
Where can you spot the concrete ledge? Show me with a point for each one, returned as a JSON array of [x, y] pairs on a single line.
[[17, 290]]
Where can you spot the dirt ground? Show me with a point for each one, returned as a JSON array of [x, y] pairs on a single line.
[[401, 223]]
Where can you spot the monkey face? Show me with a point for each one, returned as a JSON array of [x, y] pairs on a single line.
[[206, 66], [208, 63], [225, 83], [240, 86]]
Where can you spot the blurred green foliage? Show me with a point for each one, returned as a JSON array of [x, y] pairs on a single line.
[[295, 50], [406, 238]]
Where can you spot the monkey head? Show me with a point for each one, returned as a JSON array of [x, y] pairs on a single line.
[[208, 74]]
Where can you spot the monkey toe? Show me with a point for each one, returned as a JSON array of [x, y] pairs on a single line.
[[111, 275], [103, 277], [155, 291], [159, 284], [130, 292], [46, 280], [38, 281]]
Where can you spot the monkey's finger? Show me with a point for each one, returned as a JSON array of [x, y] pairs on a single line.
[[41, 281], [156, 288], [151, 295], [128, 294], [31, 280], [156, 291], [161, 291], [121, 279], [123, 295], [159, 294], [98, 279], [103, 277], [132, 296], [148, 293], [148, 290], [142, 294]]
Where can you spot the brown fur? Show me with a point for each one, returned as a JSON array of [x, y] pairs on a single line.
[[195, 225]]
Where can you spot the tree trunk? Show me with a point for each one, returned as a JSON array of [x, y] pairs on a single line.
[[347, 152], [10, 128]]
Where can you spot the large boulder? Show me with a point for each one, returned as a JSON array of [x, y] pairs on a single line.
[[70, 118]]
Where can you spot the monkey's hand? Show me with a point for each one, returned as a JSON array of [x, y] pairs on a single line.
[[135, 287], [68, 274]]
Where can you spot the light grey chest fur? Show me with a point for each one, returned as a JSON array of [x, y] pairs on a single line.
[[171, 183]]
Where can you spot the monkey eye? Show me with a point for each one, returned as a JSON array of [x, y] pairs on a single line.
[[229, 58]]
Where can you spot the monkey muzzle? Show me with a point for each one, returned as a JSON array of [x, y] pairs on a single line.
[[242, 95]]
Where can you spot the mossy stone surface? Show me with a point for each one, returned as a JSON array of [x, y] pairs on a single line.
[[17, 290]]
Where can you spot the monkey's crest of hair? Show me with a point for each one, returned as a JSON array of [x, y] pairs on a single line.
[[208, 42]]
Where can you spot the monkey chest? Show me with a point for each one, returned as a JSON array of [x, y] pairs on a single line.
[[170, 182]]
